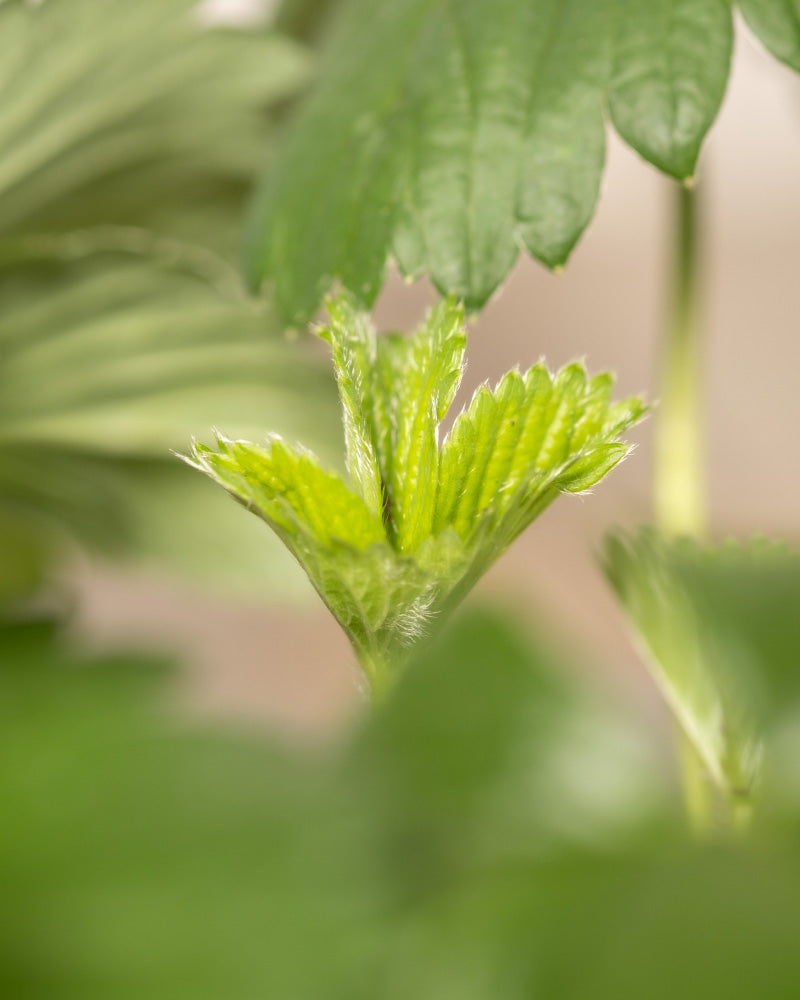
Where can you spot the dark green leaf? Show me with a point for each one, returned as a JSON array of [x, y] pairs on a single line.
[[449, 135], [671, 65]]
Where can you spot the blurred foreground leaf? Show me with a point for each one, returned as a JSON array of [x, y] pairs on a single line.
[[143, 856]]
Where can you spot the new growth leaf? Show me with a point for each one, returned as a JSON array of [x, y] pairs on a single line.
[[398, 544]]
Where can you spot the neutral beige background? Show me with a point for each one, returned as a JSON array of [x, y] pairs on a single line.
[[291, 665]]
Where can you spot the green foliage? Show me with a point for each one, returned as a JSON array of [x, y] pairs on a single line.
[[108, 362], [417, 524], [777, 24], [144, 857], [432, 856], [721, 631], [448, 135], [132, 114], [127, 132]]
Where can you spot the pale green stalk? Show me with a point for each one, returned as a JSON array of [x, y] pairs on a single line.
[[680, 495], [680, 487], [679, 482]]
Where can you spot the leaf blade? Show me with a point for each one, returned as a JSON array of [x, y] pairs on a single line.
[[451, 135], [672, 63], [517, 447], [427, 371], [777, 24]]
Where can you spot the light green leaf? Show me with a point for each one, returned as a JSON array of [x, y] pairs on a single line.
[[517, 447], [449, 135], [719, 626], [777, 24], [386, 574], [354, 358], [395, 391], [291, 492], [419, 379], [380, 599]]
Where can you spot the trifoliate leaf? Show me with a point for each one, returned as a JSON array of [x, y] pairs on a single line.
[[721, 630], [446, 514], [451, 135]]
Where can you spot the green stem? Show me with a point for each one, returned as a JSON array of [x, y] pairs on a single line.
[[698, 790], [679, 487], [680, 493], [376, 669], [679, 481]]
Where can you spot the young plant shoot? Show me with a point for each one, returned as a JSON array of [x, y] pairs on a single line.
[[392, 550]]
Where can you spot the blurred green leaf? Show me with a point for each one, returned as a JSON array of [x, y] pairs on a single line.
[[132, 114], [145, 856], [305, 19], [488, 749], [749, 595], [141, 857], [777, 24], [132, 356], [722, 636], [109, 361], [450, 135], [128, 132], [655, 923]]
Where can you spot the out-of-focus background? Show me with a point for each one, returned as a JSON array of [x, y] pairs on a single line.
[[283, 658]]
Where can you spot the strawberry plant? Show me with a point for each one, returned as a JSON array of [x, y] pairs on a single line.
[[395, 548], [491, 828]]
